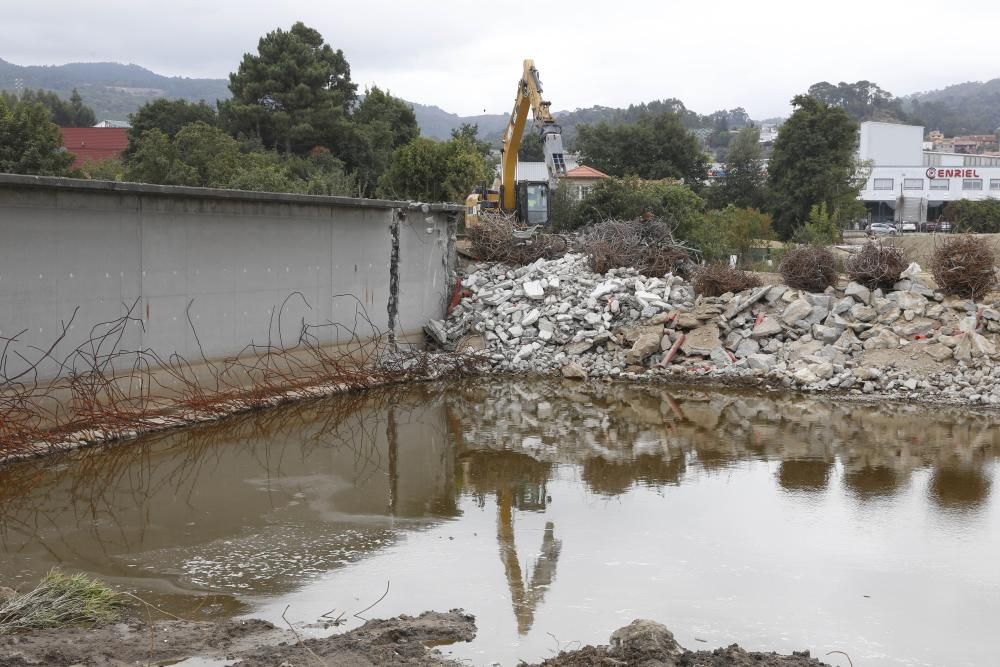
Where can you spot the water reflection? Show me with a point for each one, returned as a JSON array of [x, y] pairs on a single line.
[[265, 503]]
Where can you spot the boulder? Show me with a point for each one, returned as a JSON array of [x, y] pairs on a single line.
[[769, 326], [574, 371], [859, 292], [641, 639], [863, 313], [796, 310], [761, 362], [701, 341], [533, 289], [644, 346], [747, 347], [938, 352], [883, 340]]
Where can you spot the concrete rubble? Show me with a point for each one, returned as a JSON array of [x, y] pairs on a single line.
[[557, 317]]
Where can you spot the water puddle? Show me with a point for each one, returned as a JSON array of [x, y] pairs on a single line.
[[554, 514]]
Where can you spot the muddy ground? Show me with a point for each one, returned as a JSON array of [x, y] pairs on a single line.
[[403, 640]]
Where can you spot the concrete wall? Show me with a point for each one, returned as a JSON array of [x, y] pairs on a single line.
[[244, 267]]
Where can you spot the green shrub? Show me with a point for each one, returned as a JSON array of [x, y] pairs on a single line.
[[61, 600]]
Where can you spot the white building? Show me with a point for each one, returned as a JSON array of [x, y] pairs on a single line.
[[909, 184]]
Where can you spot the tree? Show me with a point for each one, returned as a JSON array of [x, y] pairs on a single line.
[[30, 143], [862, 100], [630, 197], [82, 116], [168, 116], [812, 162], [531, 149], [743, 183], [433, 171], [731, 231], [822, 229], [656, 147], [294, 94], [72, 113], [381, 124], [200, 155]]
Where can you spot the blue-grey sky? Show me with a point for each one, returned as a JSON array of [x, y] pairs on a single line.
[[466, 56]]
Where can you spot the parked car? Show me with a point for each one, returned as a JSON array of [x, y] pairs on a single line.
[[881, 229], [936, 226], [908, 227]]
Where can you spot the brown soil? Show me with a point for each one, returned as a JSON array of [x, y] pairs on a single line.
[[254, 643], [404, 640]]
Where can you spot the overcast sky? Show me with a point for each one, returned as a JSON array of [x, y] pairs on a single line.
[[466, 56]]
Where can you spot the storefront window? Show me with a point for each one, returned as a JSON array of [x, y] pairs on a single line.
[[883, 184], [995, 184], [940, 184], [972, 184], [913, 184]]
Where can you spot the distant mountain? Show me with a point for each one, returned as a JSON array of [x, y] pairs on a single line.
[[112, 90], [437, 123], [964, 108]]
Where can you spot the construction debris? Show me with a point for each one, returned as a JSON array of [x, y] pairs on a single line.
[[558, 317]]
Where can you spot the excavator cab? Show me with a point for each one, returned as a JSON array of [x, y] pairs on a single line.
[[533, 203]]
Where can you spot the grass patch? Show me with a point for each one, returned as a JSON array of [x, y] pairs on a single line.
[[61, 600]]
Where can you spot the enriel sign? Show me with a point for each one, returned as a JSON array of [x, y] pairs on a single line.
[[952, 173]]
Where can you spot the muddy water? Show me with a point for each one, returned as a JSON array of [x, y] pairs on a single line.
[[553, 513]]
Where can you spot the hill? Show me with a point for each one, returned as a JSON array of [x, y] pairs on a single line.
[[112, 90], [964, 108]]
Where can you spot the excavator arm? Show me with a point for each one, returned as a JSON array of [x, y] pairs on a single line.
[[529, 97]]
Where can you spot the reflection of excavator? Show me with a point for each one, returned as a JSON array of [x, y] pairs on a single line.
[[530, 201]]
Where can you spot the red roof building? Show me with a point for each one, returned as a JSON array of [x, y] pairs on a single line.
[[94, 143], [580, 180]]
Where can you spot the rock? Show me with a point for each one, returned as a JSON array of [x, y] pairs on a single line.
[[720, 357], [533, 289], [843, 306], [823, 371], [643, 638], [938, 352], [911, 272], [761, 362], [796, 310], [859, 292], [574, 371], [805, 376], [578, 348], [436, 329], [644, 346], [746, 299], [701, 341], [973, 346], [910, 301], [515, 331], [868, 387], [883, 340], [686, 321], [863, 313], [531, 317], [917, 327], [747, 347], [775, 292], [769, 326], [910, 383], [825, 333]]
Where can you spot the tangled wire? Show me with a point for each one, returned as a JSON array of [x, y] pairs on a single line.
[[499, 237], [716, 279], [876, 265], [648, 246], [963, 266], [809, 267], [108, 391]]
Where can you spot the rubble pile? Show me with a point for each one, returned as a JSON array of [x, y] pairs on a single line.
[[556, 316]]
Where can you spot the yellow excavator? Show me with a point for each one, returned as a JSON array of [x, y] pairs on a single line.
[[528, 200]]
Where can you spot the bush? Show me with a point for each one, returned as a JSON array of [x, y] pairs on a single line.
[[809, 267], [967, 215], [716, 279], [646, 245], [877, 265], [823, 228], [963, 266], [630, 197], [731, 231]]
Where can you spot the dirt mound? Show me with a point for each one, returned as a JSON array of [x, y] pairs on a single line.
[[650, 644]]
